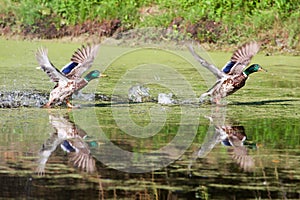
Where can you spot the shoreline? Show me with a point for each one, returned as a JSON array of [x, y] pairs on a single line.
[[267, 49]]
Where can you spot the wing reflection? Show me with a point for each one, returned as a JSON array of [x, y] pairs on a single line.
[[71, 139], [236, 138], [231, 136]]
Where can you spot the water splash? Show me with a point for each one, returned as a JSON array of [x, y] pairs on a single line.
[[15, 99], [90, 97], [138, 93], [165, 99], [85, 97]]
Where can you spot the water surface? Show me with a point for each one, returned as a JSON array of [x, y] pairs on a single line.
[[200, 163]]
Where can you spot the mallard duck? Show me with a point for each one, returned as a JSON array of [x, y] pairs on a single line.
[[232, 136], [236, 138], [233, 75], [79, 154], [69, 79], [71, 139]]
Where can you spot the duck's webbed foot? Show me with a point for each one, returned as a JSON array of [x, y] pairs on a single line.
[[47, 105], [70, 105]]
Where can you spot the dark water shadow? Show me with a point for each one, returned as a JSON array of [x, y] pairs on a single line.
[[108, 104], [265, 102], [250, 103]]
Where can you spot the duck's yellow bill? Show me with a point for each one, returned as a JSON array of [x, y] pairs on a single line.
[[103, 75], [262, 69]]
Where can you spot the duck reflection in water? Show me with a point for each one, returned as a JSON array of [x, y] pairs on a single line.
[[72, 140], [231, 136]]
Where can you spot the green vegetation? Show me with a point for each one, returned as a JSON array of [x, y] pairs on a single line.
[[276, 22]]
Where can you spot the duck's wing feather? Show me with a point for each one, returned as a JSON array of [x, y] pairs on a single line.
[[241, 58], [84, 57], [219, 74], [241, 157], [68, 67], [45, 64]]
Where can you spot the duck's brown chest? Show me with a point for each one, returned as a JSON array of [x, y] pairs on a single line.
[[232, 84], [80, 84], [239, 81]]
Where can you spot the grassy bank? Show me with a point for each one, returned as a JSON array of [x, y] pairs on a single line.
[[275, 22]]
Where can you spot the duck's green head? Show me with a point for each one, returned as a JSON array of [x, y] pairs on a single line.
[[253, 68], [92, 75]]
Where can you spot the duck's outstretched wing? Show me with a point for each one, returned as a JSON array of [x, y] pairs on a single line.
[[43, 60], [83, 160], [219, 74], [79, 153], [81, 61], [241, 58], [68, 68], [242, 158]]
